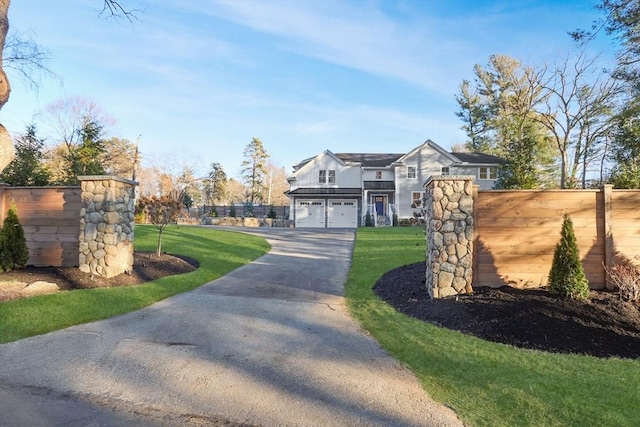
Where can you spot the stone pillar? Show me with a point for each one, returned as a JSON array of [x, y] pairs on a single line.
[[449, 218], [106, 225]]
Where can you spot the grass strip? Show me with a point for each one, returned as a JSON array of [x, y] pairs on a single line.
[[217, 251], [487, 384]]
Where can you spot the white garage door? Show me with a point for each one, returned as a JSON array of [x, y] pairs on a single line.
[[309, 213], [342, 213]]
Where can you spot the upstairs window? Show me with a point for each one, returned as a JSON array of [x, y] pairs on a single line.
[[322, 176], [444, 171], [378, 174], [487, 173], [411, 172]]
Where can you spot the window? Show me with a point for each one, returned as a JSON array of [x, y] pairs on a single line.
[[322, 176], [487, 173], [444, 171], [332, 177], [378, 174], [411, 172]]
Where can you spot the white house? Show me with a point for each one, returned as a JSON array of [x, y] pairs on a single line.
[[338, 190]]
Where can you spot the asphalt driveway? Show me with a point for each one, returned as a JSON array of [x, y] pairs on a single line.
[[270, 344]]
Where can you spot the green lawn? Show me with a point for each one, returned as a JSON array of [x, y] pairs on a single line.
[[218, 252], [487, 384]]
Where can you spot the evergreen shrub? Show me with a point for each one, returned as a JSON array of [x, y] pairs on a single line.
[[567, 278]]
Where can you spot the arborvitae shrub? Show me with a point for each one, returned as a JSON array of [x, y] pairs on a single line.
[[567, 277], [232, 211], [13, 245]]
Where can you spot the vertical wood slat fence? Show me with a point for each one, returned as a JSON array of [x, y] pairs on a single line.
[[516, 233]]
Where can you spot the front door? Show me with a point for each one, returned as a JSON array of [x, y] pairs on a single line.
[[379, 203]]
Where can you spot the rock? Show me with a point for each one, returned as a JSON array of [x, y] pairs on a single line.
[[39, 288]]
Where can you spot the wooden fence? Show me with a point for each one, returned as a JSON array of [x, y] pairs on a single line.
[[516, 233], [50, 218]]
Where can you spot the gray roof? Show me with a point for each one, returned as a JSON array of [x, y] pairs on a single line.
[[373, 160], [320, 191], [379, 185], [478, 158], [381, 160]]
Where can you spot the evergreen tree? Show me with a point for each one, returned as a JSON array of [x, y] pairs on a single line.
[[567, 277], [254, 170], [27, 168], [13, 245], [87, 157]]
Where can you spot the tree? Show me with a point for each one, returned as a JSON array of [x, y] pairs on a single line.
[[215, 184], [276, 185], [27, 168], [86, 157], [254, 170], [625, 147], [500, 118], [120, 157], [567, 277], [577, 111], [13, 245], [80, 125], [26, 56], [161, 211], [474, 114]]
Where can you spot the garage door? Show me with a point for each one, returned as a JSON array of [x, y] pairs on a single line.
[[309, 213], [342, 213]]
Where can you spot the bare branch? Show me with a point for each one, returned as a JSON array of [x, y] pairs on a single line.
[[113, 9]]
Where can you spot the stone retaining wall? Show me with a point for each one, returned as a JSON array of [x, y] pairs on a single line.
[[106, 225], [449, 221]]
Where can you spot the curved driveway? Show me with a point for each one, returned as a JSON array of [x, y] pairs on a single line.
[[270, 344]]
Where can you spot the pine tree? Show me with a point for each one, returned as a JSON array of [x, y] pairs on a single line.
[[13, 245], [567, 277]]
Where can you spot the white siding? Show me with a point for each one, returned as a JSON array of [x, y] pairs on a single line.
[[483, 184], [428, 162], [346, 176], [370, 175]]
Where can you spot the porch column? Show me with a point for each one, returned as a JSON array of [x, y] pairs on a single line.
[[449, 218]]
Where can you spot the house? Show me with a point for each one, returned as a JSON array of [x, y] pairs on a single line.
[[339, 189]]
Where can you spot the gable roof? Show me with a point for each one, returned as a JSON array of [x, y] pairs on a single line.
[[478, 158], [381, 160], [431, 144]]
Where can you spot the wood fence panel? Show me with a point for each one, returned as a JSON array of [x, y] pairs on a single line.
[[517, 232], [50, 217], [625, 225]]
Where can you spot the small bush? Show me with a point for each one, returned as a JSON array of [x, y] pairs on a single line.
[[272, 213], [232, 211], [13, 245], [567, 277], [368, 220], [626, 278]]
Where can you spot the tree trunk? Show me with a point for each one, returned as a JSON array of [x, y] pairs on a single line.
[[6, 143], [5, 87]]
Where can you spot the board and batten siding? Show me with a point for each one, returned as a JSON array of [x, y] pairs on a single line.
[[517, 232], [49, 217], [346, 176]]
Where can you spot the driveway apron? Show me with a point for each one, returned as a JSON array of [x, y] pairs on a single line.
[[270, 344]]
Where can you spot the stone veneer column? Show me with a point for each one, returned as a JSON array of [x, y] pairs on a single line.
[[449, 218], [106, 225]]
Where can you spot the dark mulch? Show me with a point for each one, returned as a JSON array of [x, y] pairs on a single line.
[[146, 267], [602, 326]]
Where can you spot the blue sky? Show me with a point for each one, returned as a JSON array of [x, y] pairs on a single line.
[[198, 79]]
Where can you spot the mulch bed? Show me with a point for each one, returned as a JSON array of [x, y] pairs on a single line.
[[602, 326], [146, 267]]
